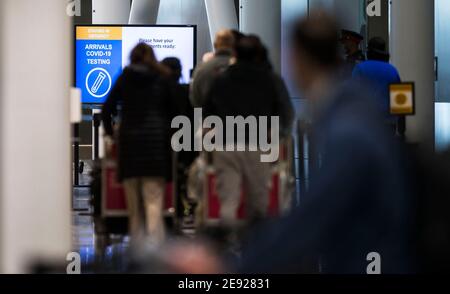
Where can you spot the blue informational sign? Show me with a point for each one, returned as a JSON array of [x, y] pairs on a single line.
[[102, 52], [99, 62]]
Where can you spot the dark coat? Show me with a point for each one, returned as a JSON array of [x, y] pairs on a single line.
[[146, 111], [244, 89], [184, 107]]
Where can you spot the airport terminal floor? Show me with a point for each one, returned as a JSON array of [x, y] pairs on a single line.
[[88, 243], [203, 138]]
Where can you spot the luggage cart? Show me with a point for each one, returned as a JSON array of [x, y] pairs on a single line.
[[113, 195], [109, 199], [280, 191]]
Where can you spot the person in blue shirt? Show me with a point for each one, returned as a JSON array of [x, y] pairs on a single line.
[[378, 74]]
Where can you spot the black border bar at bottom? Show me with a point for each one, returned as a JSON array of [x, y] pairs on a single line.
[[218, 283]]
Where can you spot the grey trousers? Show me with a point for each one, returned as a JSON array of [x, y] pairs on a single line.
[[145, 198], [238, 170]]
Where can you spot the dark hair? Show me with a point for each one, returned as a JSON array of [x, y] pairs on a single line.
[[250, 48], [175, 67], [377, 56], [237, 35], [143, 54], [318, 37]]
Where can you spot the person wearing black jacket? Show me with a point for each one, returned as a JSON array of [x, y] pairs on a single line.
[[247, 88], [180, 91], [183, 106], [144, 95]]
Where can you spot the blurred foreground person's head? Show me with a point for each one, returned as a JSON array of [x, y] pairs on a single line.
[[315, 42], [174, 65], [224, 40]]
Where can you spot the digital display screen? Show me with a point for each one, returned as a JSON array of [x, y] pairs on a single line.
[[102, 52]]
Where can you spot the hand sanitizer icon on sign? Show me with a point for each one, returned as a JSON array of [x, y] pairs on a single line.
[[98, 82]]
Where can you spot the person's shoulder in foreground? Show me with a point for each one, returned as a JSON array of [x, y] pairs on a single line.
[[348, 210]]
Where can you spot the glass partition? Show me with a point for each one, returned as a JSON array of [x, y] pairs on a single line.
[[443, 74]]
